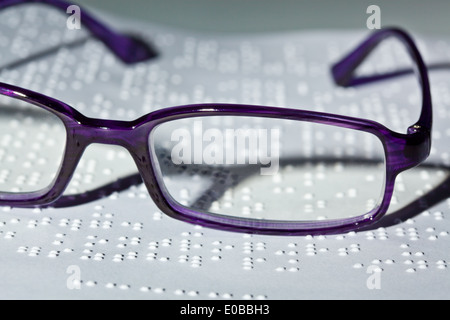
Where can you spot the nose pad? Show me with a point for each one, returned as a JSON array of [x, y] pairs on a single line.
[[102, 170]]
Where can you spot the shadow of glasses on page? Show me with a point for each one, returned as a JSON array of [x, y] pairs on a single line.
[[417, 189], [435, 193], [56, 15], [42, 54], [362, 80], [119, 185]]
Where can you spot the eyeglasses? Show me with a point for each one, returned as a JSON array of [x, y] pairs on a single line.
[[245, 168]]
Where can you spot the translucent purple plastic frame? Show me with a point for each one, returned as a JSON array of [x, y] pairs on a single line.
[[402, 150]]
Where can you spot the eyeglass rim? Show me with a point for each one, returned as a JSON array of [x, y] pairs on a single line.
[[402, 151]]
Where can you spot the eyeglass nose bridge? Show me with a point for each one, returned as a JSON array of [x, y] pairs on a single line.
[[112, 132], [132, 136]]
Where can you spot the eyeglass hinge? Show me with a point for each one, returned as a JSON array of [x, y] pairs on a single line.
[[418, 144]]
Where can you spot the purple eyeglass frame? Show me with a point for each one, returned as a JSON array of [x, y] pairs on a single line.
[[402, 150]]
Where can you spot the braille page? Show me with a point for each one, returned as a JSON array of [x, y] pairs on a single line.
[[112, 239]]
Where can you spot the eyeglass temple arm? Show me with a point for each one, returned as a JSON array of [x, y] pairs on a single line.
[[128, 49], [343, 71]]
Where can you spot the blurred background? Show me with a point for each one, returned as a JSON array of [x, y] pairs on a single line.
[[269, 16]]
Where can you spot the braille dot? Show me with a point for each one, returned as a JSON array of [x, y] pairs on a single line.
[[376, 261], [22, 249], [159, 290], [110, 285], [151, 256], [99, 257], [53, 254], [118, 258], [192, 293], [179, 292]]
